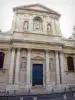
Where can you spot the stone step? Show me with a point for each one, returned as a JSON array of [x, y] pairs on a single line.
[[38, 91]]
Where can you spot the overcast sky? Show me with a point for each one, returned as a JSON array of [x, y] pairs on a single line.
[[65, 7]]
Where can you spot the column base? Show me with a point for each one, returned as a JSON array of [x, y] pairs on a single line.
[[12, 87]]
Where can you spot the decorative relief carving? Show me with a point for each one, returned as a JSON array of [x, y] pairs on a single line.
[[38, 53], [38, 58]]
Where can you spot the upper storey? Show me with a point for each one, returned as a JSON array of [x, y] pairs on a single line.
[[36, 19]]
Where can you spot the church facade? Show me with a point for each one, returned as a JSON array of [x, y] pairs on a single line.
[[34, 53]]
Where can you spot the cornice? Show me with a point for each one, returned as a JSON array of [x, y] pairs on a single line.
[[5, 41], [34, 5], [34, 33], [66, 39], [14, 40], [37, 42], [47, 12], [69, 47]]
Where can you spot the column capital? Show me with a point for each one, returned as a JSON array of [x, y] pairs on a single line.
[[12, 49], [29, 49], [18, 49], [56, 52], [61, 52], [47, 51]]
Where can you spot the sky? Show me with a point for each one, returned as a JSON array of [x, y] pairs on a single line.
[[65, 7]]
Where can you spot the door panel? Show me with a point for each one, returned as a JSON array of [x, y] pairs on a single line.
[[37, 74]]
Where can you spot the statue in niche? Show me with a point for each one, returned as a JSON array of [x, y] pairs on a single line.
[[52, 67], [23, 63], [49, 27], [25, 25]]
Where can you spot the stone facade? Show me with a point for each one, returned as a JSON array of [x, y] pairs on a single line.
[[35, 38]]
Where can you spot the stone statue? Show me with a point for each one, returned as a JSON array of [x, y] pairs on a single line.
[[26, 25], [23, 63], [49, 28]]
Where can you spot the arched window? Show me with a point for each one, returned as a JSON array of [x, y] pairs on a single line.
[[49, 27], [70, 63], [25, 26], [1, 59], [37, 24]]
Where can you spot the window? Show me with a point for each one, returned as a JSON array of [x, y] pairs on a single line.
[[1, 59], [49, 28], [37, 24], [70, 63], [25, 26]]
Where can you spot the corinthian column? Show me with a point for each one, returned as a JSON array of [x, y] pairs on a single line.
[[11, 71], [62, 67], [28, 67], [57, 69], [17, 66], [47, 69]]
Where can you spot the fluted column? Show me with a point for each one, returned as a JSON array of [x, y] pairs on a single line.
[[62, 67], [28, 67], [57, 68], [12, 61], [47, 69], [17, 66]]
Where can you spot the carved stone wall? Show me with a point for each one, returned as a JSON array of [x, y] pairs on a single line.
[[20, 18]]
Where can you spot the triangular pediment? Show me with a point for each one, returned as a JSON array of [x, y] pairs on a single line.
[[37, 7], [38, 58]]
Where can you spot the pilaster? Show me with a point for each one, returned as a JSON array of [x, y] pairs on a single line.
[[31, 23], [12, 62], [28, 67], [47, 68], [62, 67], [17, 66], [57, 68]]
